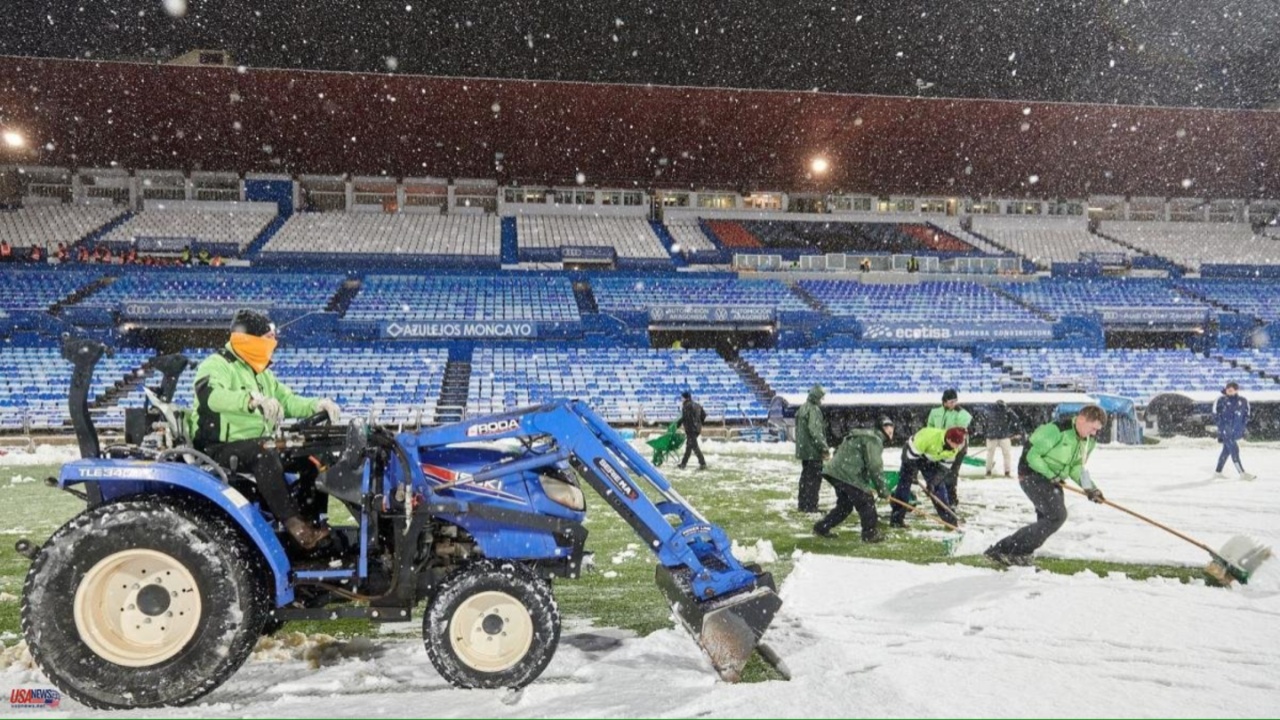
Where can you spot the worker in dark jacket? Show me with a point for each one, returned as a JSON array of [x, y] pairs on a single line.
[[691, 418], [239, 404], [856, 473], [1000, 424], [811, 448], [1231, 415], [1055, 453], [928, 454]]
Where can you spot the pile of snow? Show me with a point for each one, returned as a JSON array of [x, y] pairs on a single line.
[[42, 455], [761, 552]]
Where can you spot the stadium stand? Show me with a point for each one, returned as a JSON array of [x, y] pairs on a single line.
[[49, 225], [621, 383], [631, 237], [1076, 296], [1044, 241], [689, 234], [392, 385], [1195, 244], [951, 225], [836, 236], [871, 370], [1132, 373], [34, 384], [1260, 299], [465, 297], [31, 289], [389, 234], [922, 302], [636, 294], [276, 290], [218, 227]]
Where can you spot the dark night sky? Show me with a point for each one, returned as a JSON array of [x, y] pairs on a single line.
[[1165, 52]]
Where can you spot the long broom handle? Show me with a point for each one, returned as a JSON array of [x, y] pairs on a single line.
[[1145, 519], [915, 509]]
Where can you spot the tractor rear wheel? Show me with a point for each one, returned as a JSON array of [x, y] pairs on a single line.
[[142, 604], [493, 625]]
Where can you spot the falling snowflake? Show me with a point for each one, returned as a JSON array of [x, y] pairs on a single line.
[[175, 8]]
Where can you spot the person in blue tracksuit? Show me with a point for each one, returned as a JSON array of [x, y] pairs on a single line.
[[1231, 415]]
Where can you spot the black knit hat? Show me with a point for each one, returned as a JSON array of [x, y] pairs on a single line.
[[949, 394], [251, 322], [885, 421], [686, 395], [1233, 385]]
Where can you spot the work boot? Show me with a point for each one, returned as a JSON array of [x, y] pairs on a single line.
[[307, 536], [1022, 560], [874, 536], [997, 557], [823, 532], [897, 523]]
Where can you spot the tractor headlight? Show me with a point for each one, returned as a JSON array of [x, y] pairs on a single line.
[[563, 492]]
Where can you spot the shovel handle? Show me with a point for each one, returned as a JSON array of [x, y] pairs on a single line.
[[915, 509], [1145, 519]]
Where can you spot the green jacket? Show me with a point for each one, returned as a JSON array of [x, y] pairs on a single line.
[[859, 462], [931, 443], [941, 417], [222, 414], [1056, 452], [811, 428]]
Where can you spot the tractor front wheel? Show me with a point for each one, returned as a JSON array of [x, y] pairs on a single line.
[[493, 625], [142, 604]]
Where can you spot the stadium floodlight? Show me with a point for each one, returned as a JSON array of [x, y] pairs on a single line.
[[819, 166], [13, 139]]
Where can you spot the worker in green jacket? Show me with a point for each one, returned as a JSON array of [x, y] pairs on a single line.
[[811, 448], [946, 416], [240, 403], [1055, 453], [856, 473], [928, 454]]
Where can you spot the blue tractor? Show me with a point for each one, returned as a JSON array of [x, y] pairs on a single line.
[[159, 590]]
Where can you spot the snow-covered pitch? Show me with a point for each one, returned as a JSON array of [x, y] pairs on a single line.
[[880, 638]]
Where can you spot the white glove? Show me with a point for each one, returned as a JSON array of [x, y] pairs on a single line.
[[271, 409], [330, 407]]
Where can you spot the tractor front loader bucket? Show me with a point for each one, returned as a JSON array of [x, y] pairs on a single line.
[[727, 628]]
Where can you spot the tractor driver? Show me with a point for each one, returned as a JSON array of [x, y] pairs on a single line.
[[240, 403]]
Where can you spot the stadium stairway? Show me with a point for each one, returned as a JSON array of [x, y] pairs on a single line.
[[749, 376], [80, 294], [452, 404], [668, 243], [265, 236], [1144, 253], [995, 288], [1017, 380], [510, 248], [341, 300], [586, 299], [808, 299], [994, 244], [124, 386], [89, 240]]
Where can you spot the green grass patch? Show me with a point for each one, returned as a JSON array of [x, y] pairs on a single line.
[[751, 495]]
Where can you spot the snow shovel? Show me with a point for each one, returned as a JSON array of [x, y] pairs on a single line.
[[1237, 560], [948, 544]]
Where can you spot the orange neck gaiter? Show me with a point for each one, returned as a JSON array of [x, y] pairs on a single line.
[[253, 349]]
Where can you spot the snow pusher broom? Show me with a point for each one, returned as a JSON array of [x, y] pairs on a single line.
[[948, 544], [1237, 559]]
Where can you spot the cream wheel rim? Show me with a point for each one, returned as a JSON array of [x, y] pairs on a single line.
[[491, 631], [137, 608]]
